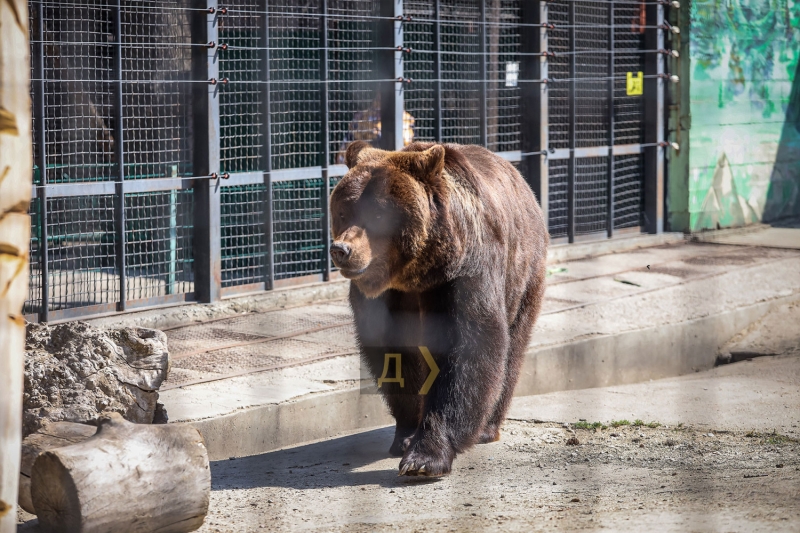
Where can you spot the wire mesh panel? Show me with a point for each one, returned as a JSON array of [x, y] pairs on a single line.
[[156, 63], [297, 227], [557, 197], [591, 62], [78, 96], [628, 190], [591, 189], [460, 53], [82, 261], [558, 93], [244, 245], [628, 39], [158, 247], [502, 65], [353, 101], [33, 304], [240, 110], [419, 96], [294, 41]]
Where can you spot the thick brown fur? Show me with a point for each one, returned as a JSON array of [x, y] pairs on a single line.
[[445, 246]]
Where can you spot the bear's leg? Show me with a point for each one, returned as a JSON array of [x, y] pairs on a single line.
[[407, 411], [520, 334], [470, 353]]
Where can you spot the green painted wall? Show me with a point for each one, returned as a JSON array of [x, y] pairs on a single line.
[[744, 97]]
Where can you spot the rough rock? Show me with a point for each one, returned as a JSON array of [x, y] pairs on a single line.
[[75, 371]]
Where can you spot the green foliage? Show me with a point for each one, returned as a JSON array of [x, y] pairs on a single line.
[[589, 425]]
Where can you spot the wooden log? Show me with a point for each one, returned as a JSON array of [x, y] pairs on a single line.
[[51, 436], [15, 195], [127, 477]]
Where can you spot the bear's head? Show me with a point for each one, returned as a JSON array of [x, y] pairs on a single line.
[[382, 214]]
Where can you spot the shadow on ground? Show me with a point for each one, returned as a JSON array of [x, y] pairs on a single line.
[[356, 460]]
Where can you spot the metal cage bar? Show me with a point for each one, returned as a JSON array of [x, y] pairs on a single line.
[[611, 172], [654, 122], [40, 132], [266, 154], [573, 167], [325, 155], [119, 155], [208, 253]]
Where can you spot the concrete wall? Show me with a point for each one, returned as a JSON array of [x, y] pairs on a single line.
[[742, 162]]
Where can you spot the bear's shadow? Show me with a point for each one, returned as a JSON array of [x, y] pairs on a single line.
[[338, 462]]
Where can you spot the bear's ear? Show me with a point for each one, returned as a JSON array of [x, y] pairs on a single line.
[[428, 165], [359, 151]]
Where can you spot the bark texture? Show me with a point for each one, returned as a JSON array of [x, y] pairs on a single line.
[[127, 477], [15, 195]]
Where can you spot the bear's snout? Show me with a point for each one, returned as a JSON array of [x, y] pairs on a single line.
[[340, 253]]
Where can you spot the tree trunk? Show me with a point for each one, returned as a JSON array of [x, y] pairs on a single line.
[[16, 163], [50, 437], [127, 477]]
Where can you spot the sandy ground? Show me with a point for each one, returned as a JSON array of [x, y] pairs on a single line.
[[691, 476]]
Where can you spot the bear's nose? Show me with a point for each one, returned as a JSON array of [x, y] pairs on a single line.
[[340, 251]]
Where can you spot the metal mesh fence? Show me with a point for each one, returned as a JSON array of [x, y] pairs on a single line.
[[558, 94], [78, 109], [297, 227], [81, 262], [628, 190], [159, 74], [158, 247], [460, 56], [502, 95], [628, 37], [244, 245], [294, 41], [591, 187], [557, 187], [240, 110], [591, 97], [353, 103], [157, 106], [419, 65]]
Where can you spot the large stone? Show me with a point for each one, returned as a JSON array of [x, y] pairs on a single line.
[[75, 371]]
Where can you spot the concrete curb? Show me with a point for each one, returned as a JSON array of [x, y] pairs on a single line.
[[628, 357]]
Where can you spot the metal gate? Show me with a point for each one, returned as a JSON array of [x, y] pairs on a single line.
[[597, 151], [185, 149]]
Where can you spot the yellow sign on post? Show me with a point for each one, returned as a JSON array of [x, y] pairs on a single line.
[[634, 85]]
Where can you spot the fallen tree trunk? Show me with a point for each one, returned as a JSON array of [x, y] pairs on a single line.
[[127, 477], [50, 437]]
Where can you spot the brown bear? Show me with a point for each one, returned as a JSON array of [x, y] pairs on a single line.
[[445, 247]]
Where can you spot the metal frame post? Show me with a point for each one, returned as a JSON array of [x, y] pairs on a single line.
[[482, 73], [437, 71], [41, 160], [611, 69], [119, 155], [266, 154], [533, 101], [654, 121], [205, 66], [572, 144], [325, 155], [390, 67]]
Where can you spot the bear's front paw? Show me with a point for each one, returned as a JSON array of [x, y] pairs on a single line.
[[422, 459]]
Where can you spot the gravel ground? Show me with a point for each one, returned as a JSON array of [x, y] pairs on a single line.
[[624, 478]]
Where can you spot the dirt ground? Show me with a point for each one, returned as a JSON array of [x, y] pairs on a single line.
[[624, 478]]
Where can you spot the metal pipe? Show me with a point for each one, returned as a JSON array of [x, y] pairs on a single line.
[[572, 145], [41, 161], [482, 103], [324, 134], [611, 57], [266, 155], [119, 155], [437, 72]]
